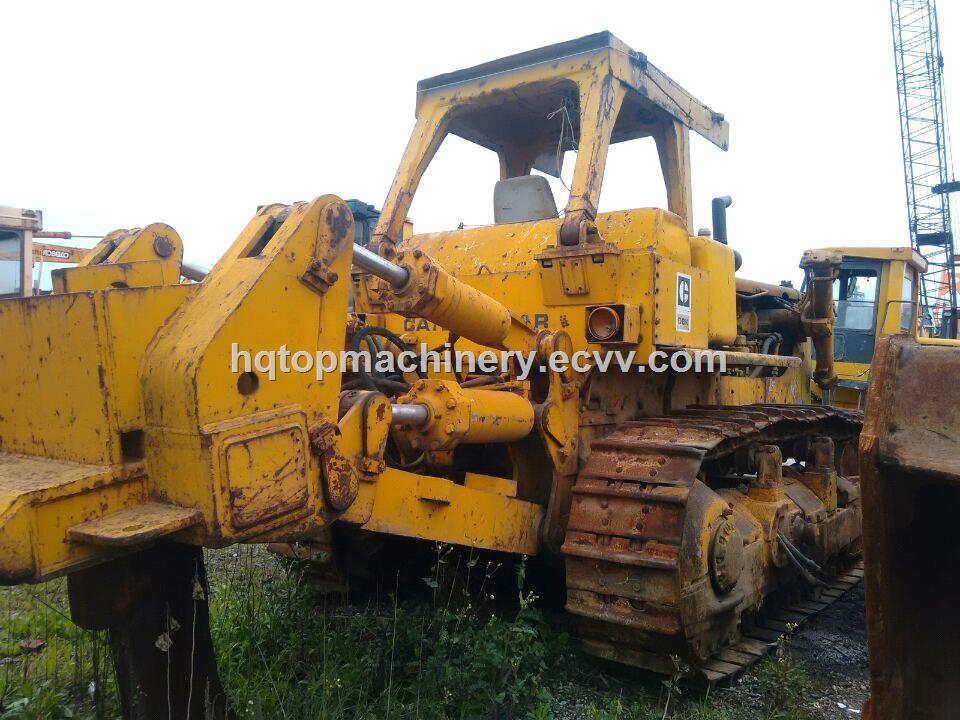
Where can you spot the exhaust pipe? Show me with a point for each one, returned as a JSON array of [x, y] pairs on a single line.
[[719, 207]]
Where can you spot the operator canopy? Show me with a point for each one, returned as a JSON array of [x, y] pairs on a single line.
[[504, 103], [532, 107]]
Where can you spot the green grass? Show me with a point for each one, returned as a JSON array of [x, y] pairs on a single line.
[[287, 652], [782, 684], [314, 660], [70, 675]]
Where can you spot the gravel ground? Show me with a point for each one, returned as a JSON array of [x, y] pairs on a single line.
[[833, 648]]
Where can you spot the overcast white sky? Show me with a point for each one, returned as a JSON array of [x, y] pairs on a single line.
[[119, 114]]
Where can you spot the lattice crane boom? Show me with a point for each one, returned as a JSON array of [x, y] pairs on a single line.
[[926, 150]]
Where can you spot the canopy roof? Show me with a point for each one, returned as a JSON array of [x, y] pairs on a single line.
[[506, 102]]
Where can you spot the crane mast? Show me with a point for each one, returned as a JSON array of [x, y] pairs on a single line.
[[926, 153]]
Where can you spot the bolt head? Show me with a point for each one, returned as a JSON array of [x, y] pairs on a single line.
[[162, 246]]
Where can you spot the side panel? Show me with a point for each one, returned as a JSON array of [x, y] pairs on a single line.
[[54, 400], [133, 318], [681, 307]]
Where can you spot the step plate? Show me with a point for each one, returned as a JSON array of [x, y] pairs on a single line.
[[138, 524]]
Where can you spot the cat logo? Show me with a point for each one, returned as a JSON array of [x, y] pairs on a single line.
[[684, 302]]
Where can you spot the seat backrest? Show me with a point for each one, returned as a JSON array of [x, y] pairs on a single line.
[[523, 199]]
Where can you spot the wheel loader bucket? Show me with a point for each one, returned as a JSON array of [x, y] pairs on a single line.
[[910, 474]]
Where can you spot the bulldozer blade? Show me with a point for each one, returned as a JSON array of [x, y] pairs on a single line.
[[910, 465], [154, 605]]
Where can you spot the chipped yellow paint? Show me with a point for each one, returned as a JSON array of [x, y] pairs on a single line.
[[438, 509]]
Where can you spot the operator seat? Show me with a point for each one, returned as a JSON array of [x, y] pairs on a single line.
[[523, 199]]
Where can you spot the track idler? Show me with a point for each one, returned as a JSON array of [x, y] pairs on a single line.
[[154, 603]]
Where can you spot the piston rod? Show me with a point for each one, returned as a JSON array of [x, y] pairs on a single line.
[[410, 414], [364, 259], [193, 271], [384, 269]]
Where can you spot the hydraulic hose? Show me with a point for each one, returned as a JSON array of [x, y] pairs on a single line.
[[801, 561], [372, 382]]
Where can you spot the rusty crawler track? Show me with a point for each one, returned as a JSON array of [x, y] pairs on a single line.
[[635, 575], [761, 637]]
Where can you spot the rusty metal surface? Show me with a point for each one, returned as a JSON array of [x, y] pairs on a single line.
[[318, 562], [260, 490], [915, 418], [640, 544], [154, 604], [817, 311], [910, 469], [340, 481]]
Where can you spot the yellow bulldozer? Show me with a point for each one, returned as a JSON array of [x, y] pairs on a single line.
[[697, 510]]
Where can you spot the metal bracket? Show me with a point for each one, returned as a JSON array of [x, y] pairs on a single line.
[[319, 277]]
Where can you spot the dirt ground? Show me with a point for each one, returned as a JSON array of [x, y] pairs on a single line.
[[832, 647]]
